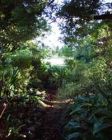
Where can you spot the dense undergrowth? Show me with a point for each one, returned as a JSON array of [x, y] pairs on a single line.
[[89, 118], [89, 84]]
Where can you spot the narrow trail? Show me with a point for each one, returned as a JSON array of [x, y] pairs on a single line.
[[53, 120], [51, 128]]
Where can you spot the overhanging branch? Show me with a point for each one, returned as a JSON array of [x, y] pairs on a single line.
[[103, 17]]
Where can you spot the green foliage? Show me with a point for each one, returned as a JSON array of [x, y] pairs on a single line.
[[90, 118], [81, 8], [53, 76], [16, 70], [89, 69], [66, 51], [89, 83], [20, 21], [81, 18], [23, 117]]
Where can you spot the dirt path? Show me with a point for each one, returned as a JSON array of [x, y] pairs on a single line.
[[53, 120], [52, 125], [39, 123]]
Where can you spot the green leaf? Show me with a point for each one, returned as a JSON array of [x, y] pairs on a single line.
[[72, 126], [73, 136], [99, 126]]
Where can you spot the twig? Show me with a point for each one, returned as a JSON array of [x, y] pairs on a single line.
[[4, 108], [43, 104]]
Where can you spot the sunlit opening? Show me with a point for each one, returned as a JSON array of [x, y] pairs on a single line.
[[55, 61]]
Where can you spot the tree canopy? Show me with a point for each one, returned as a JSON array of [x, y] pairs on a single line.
[[87, 9], [21, 20], [83, 16]]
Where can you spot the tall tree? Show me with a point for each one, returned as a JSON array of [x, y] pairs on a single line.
[[83, 17], [87, 9], [21, 20]]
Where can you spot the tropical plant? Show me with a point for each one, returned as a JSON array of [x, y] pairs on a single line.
[[89, 118]]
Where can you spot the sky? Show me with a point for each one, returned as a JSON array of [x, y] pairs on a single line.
[[55, 60], [52, 38]]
